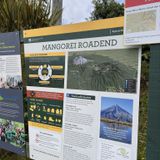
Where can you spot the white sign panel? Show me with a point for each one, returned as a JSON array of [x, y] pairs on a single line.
[[84, 103], [142, 22]]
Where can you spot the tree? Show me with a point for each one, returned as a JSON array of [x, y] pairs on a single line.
[[27, 14], [106, 9]]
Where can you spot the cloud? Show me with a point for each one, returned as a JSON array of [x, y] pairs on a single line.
[[75, 11]]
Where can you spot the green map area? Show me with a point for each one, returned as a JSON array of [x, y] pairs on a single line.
[[141, 22], [102, 70]]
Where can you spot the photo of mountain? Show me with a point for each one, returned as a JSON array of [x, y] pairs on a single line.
[[116, 119]]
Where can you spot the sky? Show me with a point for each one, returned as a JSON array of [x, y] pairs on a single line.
[[126, 104], [75, 11]]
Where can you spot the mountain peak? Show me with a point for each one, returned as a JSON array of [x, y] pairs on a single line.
[[115, 112]]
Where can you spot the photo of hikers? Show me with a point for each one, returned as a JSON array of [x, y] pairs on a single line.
[[12, 132], [11, 82]]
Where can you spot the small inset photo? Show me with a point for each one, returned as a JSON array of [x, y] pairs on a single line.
[[116, 119]]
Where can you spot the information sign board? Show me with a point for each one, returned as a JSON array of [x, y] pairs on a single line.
[[83, 92]]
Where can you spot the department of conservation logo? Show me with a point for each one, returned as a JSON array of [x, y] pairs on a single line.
[[45, 72]]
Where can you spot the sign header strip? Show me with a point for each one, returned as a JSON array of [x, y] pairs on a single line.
[[134, 3], [79, 27]]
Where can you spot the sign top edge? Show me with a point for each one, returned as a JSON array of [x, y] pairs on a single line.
[[77, 27]]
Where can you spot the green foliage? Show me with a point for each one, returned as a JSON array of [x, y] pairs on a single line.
[[106, 9], [27, 14], [107, 75], [143, 119]]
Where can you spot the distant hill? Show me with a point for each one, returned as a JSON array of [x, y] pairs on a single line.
[[116, 113]]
